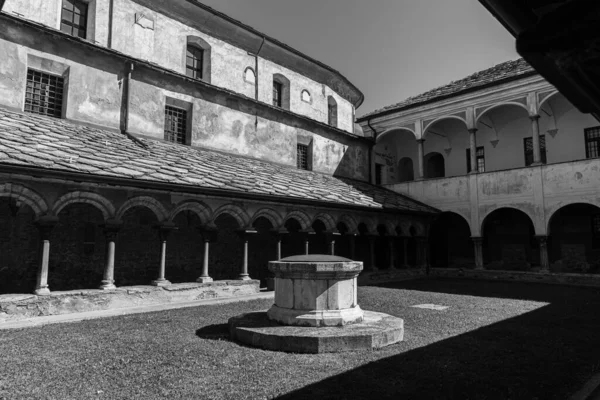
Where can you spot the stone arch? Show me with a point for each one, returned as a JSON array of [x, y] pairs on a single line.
[[144, 201], [388, 131], [98, 201], [350, 223], [196, 42], [547, 99], [439, 119], [512, 207], [273, 216], [419, 228], [300, 216], [200, 209], [370, 224], [26, 195], [236, 212], [327, 219], [494, 106], [554, 209]]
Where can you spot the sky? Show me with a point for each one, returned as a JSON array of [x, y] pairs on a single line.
[[389, 49]]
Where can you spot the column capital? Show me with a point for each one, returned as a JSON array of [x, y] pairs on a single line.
[[534, 117], [420, 141], [473, 130], [542, 239], [331, 235], [245, 233], [165, 229], [45, 225], [477, 239], [209, 232]]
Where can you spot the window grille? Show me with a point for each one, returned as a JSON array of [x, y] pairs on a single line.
[[44, 93], [528, 147], [480, 157], [302, 156], [378, 174], [277, 94], [194, 62], [175, 124], [74, 18], [592, 142]]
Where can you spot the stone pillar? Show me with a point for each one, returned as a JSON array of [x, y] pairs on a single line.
[[111, 230], [163, 235], [245, 235], [306, 243], [279, 235], [473, 148], [421, 158], [45, 226], [372, 259], [209, 234], [478, 246], [535, 128], [330, 237], [544, 261]]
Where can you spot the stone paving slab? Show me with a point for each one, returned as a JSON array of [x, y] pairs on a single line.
[[76, 317]]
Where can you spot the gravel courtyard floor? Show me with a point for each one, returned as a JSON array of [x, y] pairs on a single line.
[[494, 341]]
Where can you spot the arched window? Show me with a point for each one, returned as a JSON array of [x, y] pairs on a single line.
[[434, 165], [306, 97], [197, 59], [332, 112], [281, 91], [250, 76]]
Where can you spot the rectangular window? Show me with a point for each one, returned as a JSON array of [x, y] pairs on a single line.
[[302, 156], [528, 147], [194, 62], [592, 142], [74, 18], [480, 157], [378, 174], [277, 93], [175, 124], [44, 93]]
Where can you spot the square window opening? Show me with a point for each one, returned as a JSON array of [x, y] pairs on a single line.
[[44, 93]]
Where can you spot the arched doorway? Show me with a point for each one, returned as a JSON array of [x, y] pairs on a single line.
[[263, 248], [450, 242], [509, 241], [138, 248], [79, 250], [574, 242], [19, 247], [434, 166]]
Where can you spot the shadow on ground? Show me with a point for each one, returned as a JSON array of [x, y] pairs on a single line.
[[214, 332], [548, 353]]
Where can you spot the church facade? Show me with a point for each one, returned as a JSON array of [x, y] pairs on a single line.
[[162, 143]]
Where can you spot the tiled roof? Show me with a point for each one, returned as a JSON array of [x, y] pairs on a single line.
[[36, 141], [498, 73]]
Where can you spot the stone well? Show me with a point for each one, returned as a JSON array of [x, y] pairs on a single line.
[[316, 311], [316, 291]]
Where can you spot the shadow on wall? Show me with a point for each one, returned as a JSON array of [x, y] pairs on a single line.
[[548, 353]]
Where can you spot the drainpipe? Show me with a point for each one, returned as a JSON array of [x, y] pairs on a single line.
[[256, 69], [127, 98], [371, 150], [111, 8]]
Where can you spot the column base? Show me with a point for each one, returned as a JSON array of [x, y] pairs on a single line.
[[536, 164], [481, 268], [204, 279], [243, 278], [108, 285], [544, 271], [42, 291], [161, 282]]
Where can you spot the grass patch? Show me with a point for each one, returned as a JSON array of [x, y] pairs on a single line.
[[496, 341]]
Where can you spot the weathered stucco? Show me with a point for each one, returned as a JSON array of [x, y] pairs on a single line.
[[220, 120]]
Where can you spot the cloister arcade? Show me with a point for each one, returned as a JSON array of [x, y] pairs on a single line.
[[86, 240]]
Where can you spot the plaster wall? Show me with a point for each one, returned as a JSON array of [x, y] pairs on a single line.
[[149, 35], [220, 121]]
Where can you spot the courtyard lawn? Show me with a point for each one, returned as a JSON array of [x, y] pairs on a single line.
[[495, 341]]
